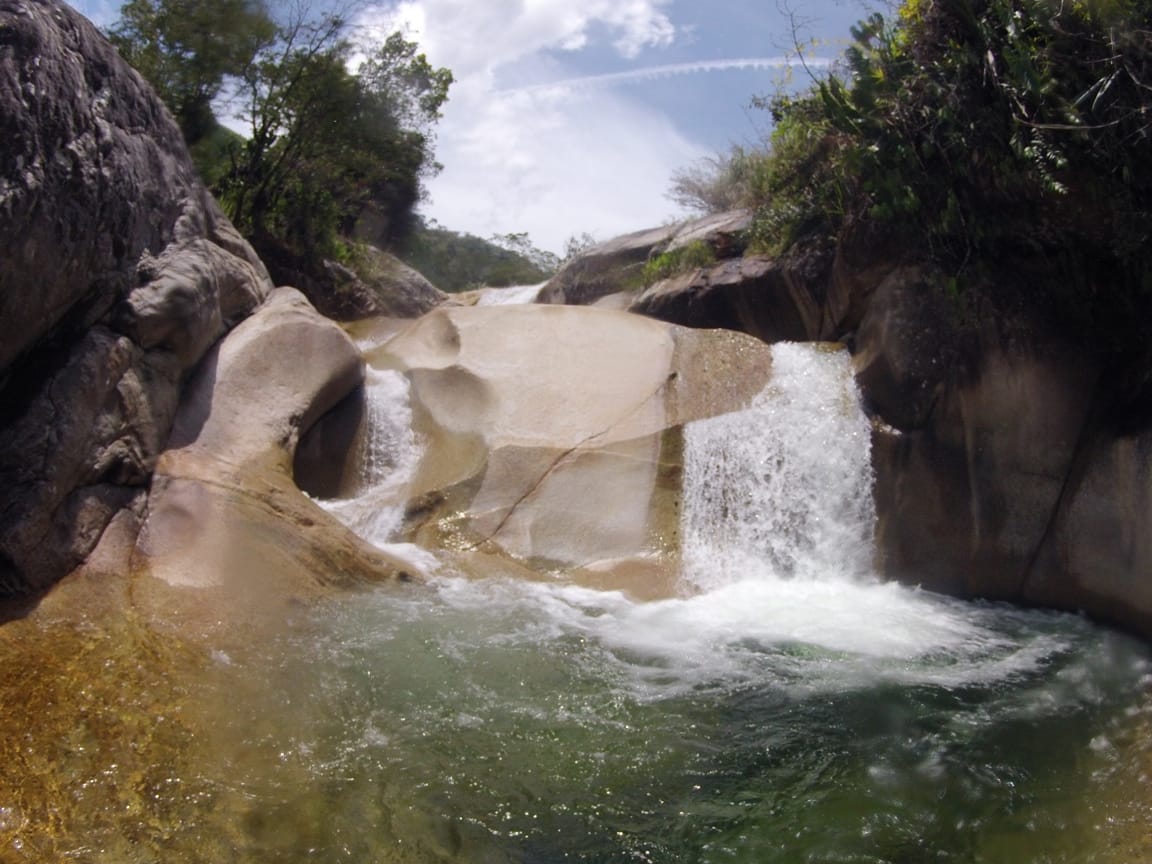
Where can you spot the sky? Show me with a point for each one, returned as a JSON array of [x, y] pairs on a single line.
[[570, 117]]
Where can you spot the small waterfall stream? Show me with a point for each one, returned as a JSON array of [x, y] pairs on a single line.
[[782, 489], [791, 708], [389, 454], [510, 296]]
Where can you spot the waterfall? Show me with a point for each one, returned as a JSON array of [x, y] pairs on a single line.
[[389, 455], [511, 296], [782, 489]]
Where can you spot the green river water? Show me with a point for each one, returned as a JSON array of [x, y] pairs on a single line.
[[787, 708]]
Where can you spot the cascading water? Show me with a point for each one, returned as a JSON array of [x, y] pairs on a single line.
[[511, 296], [389, 454], [782, 489], [791, 709]]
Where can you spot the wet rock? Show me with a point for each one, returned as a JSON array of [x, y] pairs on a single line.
[[224, 512]]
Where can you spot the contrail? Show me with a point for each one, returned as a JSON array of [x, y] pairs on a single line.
[[653, 72]]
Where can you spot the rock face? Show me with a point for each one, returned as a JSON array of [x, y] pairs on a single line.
[[616, 265], [117, 272], [377, 284], [996, 475], [571, 462], [756, 294]]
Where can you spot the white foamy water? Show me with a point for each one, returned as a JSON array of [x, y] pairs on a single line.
[[511, 296], [777, 527], [790, 706], [782, 489], [803, 636], [389, 455]]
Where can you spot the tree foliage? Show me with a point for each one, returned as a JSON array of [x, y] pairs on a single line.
[[325, 145], [460, 262], [722, 182], [187, 48], [993, 136]]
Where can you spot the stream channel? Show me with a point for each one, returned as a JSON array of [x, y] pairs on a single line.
[[788, 707]]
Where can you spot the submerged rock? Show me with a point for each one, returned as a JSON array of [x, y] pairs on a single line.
[[552, 433]]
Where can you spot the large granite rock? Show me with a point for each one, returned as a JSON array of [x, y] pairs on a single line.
[[375, 283], [817, 291], [553, 434], [118, 272], [997, 473], [1097, 551], [224, 512], [758, 294], [617, 265]]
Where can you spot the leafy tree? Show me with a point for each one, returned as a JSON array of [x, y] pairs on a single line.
[[459, 262], [1006, 141], [521, 244], [326, 144], [187, 48], [577, 245]]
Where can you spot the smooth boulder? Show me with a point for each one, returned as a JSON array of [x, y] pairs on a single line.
[[552, 434], [617, 265], [225, 518]]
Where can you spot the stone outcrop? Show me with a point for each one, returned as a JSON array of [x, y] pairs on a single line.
[[570, 462], [997, 473], [757, 294], [1097, 551], [375, 284], [617, 265], [117, 271]]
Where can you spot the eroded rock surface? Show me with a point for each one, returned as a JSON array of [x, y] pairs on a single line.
[[224, 512], [552, 433], [118, 271]]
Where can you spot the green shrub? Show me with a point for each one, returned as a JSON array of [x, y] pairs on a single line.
[[673, 262]]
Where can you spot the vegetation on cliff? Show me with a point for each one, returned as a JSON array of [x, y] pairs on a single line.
[[1004, 142]]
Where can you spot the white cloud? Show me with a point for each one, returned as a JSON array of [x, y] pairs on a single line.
[[557, 166], [553, 164], [474, 38], [651, 73]]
